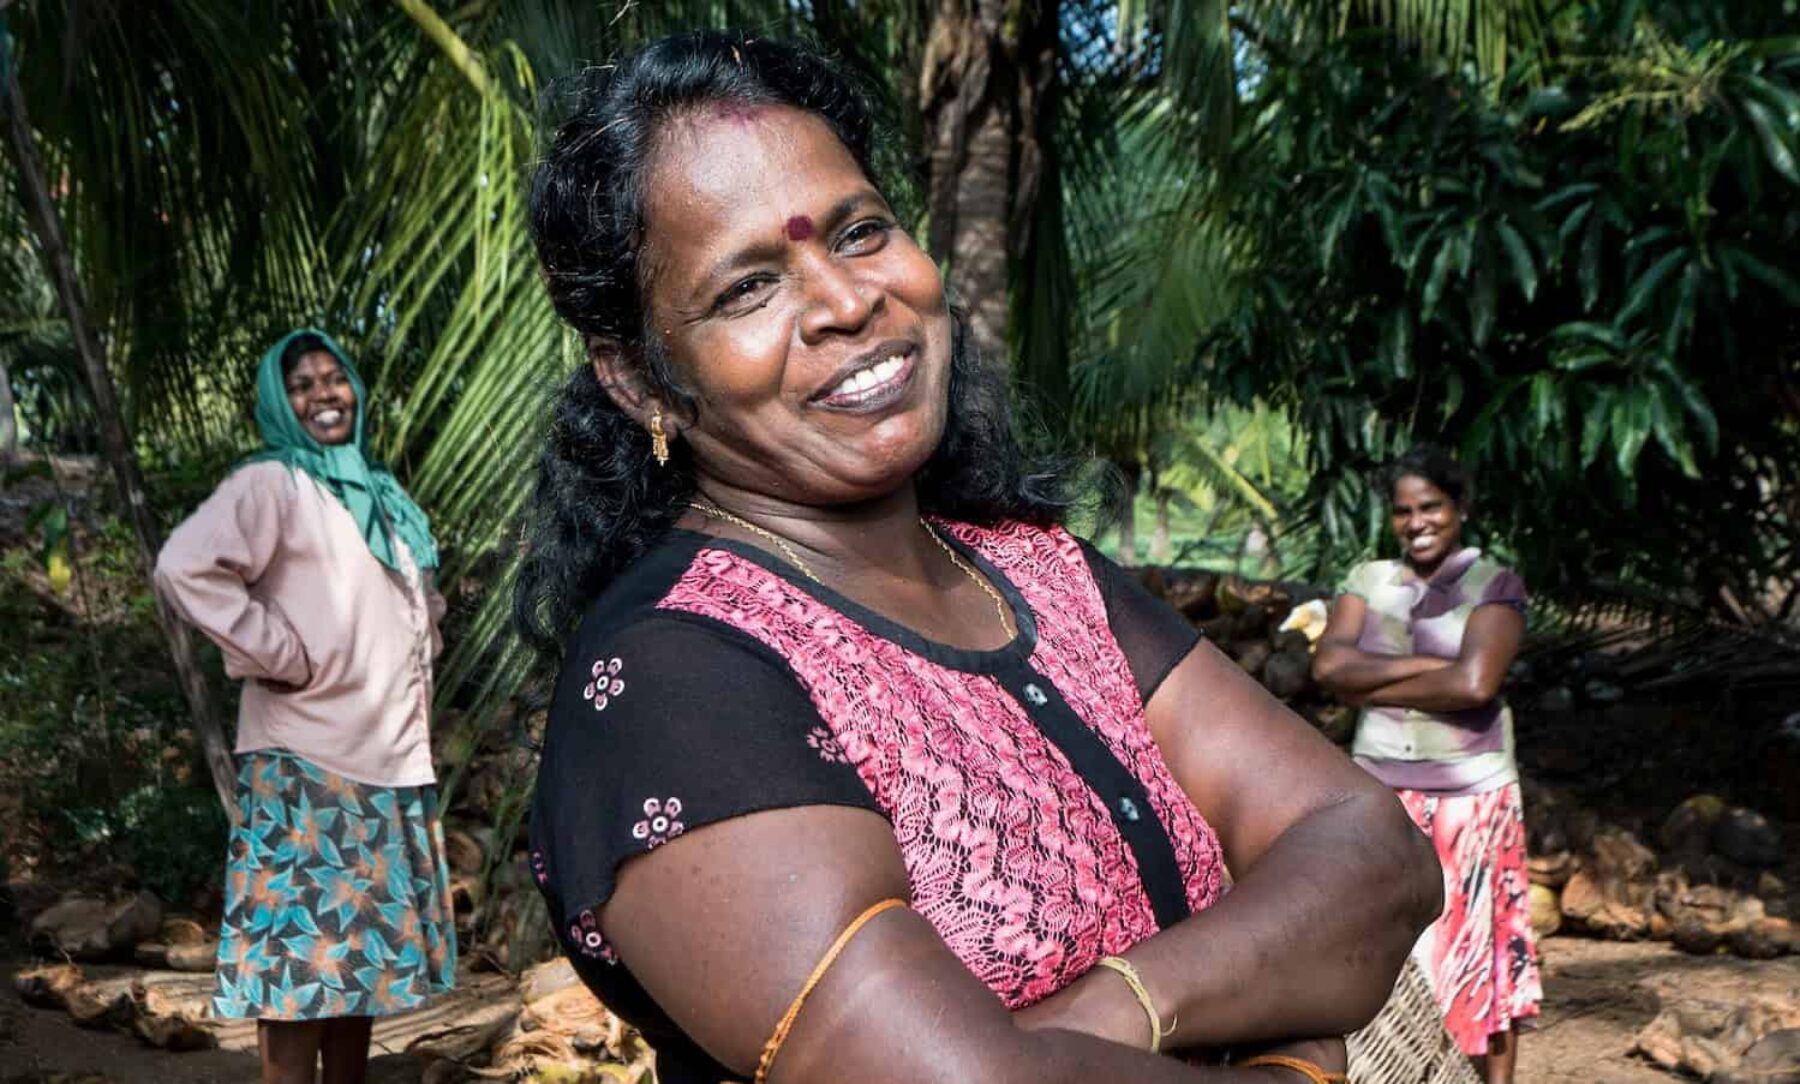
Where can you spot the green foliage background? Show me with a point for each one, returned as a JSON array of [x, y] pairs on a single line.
[[1581, 276], [1273, 243]]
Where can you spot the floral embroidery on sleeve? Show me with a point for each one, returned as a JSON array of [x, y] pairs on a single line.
[[584, 936], [606, 684], [826, 745], [659, 824]]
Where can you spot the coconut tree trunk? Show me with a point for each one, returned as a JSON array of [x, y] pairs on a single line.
[[984, 86], [1131, 477], [46, 226], [1162, 543], [9, 417]]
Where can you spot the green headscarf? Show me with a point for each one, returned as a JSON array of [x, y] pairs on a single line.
[[376, 502]]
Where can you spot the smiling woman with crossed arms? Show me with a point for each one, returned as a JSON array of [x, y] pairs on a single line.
[[859, 766], [1423, 644]]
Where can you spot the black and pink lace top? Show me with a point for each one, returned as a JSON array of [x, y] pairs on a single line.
[[1040, 827]]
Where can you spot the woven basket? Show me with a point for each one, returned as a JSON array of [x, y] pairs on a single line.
[[1407, 1043]]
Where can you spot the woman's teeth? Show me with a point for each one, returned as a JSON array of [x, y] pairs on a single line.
[[874, 376], [1424, 541], [328, 417]]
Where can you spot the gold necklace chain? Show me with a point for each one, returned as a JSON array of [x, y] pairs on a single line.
[[706, 507], [956, 559]]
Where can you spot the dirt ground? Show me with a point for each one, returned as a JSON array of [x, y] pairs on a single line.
[[41, 1046], [1599, 994]]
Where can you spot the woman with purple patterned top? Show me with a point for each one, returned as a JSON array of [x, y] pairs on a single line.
[[1422, 645]]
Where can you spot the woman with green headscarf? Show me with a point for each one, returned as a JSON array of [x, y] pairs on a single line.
[[312, 570]]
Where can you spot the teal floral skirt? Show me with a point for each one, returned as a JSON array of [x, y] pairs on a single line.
[[337, 896]]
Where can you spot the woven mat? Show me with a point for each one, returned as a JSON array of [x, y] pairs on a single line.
[[1407, 1043]]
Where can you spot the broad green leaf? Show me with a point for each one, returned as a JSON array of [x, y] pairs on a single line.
[[1588, 331], [1411, 264], [1643, 291], [1630, 427], [1390, 223], [1453, 395], [1654, 235], [1573, 222], [1697, 408], [1397, 344], [1567, 193], [1591, 245], [1546, 405], [1777, 139], [1667, 428], [1335, 225], [1774, 278], [1484, 300], [1481, 429], [1681, 317], [1434, 284], [1595, 425], [1581, 361], [1523, 268]]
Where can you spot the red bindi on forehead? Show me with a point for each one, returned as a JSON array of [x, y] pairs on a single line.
[[799, 228]]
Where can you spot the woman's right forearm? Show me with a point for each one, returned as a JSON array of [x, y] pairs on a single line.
[[1351, 671], [1068, 1057]]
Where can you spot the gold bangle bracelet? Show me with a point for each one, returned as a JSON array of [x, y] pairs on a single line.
[[1124, 969], [773, 1046], [1313, 1073]]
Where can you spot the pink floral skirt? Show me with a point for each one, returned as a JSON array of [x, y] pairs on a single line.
[[1480, 955]]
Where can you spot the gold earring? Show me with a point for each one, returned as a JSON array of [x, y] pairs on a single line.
[[659, 440]]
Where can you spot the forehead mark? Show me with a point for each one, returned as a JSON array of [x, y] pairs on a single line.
[[799, 228]]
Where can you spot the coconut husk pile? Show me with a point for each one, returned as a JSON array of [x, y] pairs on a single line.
[[545, 1026], [564, 1033], [88, 927], [1711, 888], [157, 1009], [1267, 628], [85, 927], [1757, 1042]]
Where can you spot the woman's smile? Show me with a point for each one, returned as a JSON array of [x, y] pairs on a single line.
[[876, 380]]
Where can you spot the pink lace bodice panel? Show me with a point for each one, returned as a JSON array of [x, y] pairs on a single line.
[[1012, 856]]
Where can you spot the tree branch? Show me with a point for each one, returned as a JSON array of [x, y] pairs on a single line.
[[115, 441]]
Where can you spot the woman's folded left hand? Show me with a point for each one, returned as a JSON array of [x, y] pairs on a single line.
[[1097, 1004]]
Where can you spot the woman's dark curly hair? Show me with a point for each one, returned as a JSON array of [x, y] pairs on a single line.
[[600, 501], [1435, 465]]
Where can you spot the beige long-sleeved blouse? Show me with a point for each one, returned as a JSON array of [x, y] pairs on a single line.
[[335, 649]]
